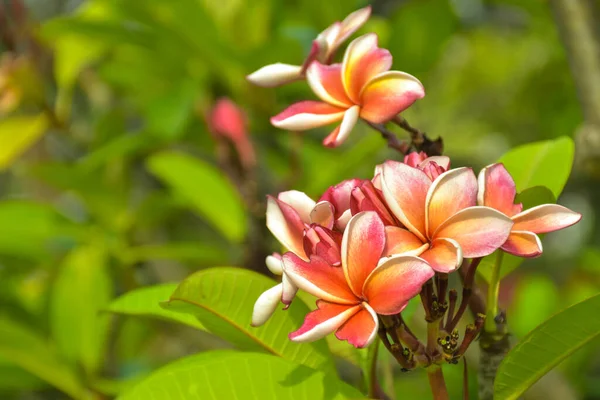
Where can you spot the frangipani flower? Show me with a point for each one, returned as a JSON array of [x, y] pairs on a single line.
[[305, 228], [350, 297], [497, 190], [322, 50], [361, 87], [443, 223], [339, 196]]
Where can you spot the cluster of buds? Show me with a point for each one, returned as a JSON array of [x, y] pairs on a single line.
[[360, 87], [367, 247]]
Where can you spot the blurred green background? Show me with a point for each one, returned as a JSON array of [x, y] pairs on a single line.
[[101, 101]]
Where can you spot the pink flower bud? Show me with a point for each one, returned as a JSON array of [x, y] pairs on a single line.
[[324, 243], [368, 198], [227, 120]]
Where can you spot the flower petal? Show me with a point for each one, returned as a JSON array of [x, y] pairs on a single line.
[[405, 191], [286, 225], [324, 320], [478, 230], [324, 243], [362, 245], [545, 218], [497, 190], [451, 192], [401, 241], [388, 94], [339, 195], [307, 115], [323, 214], [327, 41], [395, 282], [445, 255], [341, 133], [266, 304], [360, 329], [300, 202], [363, 60], [274, 264], [275, 75], [523, 244], [367, 198], [318, 278], [442, 161], [289, 290], [326, 82], [352, 23]]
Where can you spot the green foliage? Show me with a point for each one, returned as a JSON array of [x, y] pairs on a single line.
[[30, 351], [546, 346], [78, 328], [205, 189], [228, 375], [222, 299], [145, 302]]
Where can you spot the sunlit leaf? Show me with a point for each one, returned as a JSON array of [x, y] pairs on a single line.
[[547, 163], [206, 189], [17, 134], [82, 289], [13, 377], [145, 302], [26, 349], [223, 298], [546, 346], [218, 375]]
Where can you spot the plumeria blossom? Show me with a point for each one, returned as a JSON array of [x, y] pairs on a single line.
[[323, 49], [362, 86], [304, 227], [350, 297], [440, 220], [497, 190]]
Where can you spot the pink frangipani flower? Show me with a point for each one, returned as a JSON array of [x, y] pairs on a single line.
[[443, 223], [361, 87], [497, 190], [322, 50], [350, 297], [305, 228]]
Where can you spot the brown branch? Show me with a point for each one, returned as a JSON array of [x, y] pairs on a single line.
[[391, 138]]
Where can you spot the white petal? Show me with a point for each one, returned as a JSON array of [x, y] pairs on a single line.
[[266, 304], [275, 75], [300, 202], [274, 264]]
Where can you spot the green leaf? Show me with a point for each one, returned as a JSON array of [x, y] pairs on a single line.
[[547, 163], [23, 347], [223, 298], [206, 189], [28, 229], [546, 346], [82, 289], [145, 302], [19, 133], [15, 378], [218, 375], [535, 196]]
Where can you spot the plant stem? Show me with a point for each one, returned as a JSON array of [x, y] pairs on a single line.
[[391, 138], [437, 383], [433, 329], [492, 296]]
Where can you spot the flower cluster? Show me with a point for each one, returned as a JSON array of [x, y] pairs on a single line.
[[361, 87], [368, 246]]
